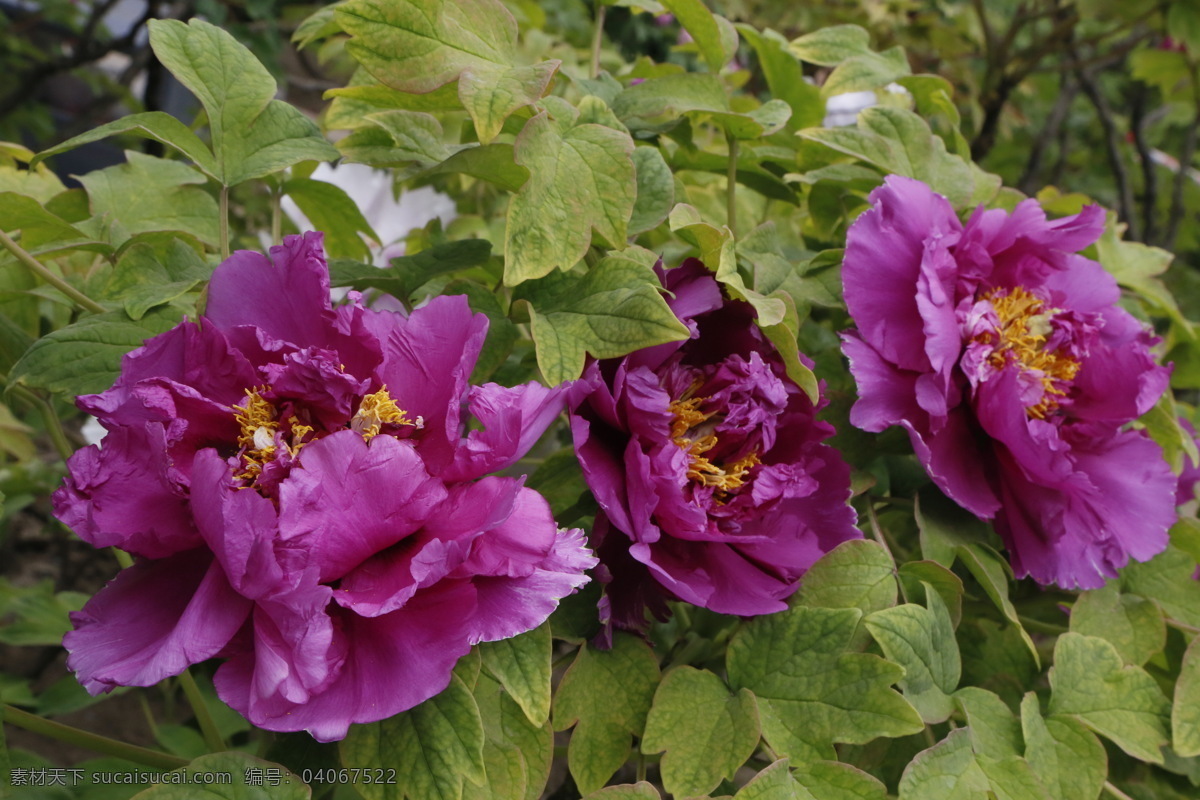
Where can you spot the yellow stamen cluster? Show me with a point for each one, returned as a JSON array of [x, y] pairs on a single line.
[[257, 437], [1024, 323], [375, 411], [688, 432], [259, 422]]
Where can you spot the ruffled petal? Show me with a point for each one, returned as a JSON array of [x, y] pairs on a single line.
[[348, 500], [153, 620], [126, 494]]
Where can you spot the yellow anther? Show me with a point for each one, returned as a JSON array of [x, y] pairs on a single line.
[[257, 436], [1024, 323], [375, 411], [690, 422]]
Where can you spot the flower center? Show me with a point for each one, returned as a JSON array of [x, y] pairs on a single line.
[[260, 423], [377, 410], [1021, 339], [261, 426], [693, 432]]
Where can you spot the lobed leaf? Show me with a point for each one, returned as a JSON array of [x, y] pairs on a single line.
[[812, 691], [1090, 683], [434, 747], [707, 733], [606, 695]]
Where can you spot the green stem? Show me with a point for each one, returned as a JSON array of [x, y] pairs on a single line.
[[731, 185], [598, 37], [224, 213], [212, 737], [1182, 626], [1037, 626], [36, 267], [50, 419], [277, 214], [92, 741], [1115, 792], [641, 766]]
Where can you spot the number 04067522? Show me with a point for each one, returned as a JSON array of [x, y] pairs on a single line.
[[348, 775]]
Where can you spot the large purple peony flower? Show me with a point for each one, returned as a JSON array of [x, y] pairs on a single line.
[[296, 484], [1003, 354], [707, 463]]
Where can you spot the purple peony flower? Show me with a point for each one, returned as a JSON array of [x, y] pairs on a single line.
[[1003, 354], [296, 484], [708, 465]]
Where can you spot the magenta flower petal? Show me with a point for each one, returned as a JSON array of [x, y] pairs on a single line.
[[127, 495], [336, 504], [512, 418], [708, 465], [286, 474], [121, 640], [1002, 353], [285, 297], [391, 663]]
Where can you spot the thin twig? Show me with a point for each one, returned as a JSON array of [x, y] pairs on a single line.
[[92, 741], [1112, 141], [1175, 214], [1067, 90], [598, 38], [36, 267], [1138, 125]]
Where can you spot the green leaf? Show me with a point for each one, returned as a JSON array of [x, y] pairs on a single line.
[[516, 753], [331, 210], [631, 791], [157, 125], [655, 190], [85, 357], [1136, 266], [153, 194], [992, 573], [922, 641], [855, 574], [833, 780], [1090, 683], [420, 45], [614, 309], [1185, 712], [774, 783], [243, 769], [913, 574], [37, 182], [36, 615], [785, 77], [434, 748], [662, 101], [581, 178], [1167, 580], [811, 690], [491, 95], [409, 273], [1133, 624], [606, 695], [39, 226], [717, 42], [1067, 758], [830, 46], [522, 665], [707, 733], [946, 771], [848, 48], [493, 163], [142, 279], [252, 133], [995, 732], [898, 141]]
